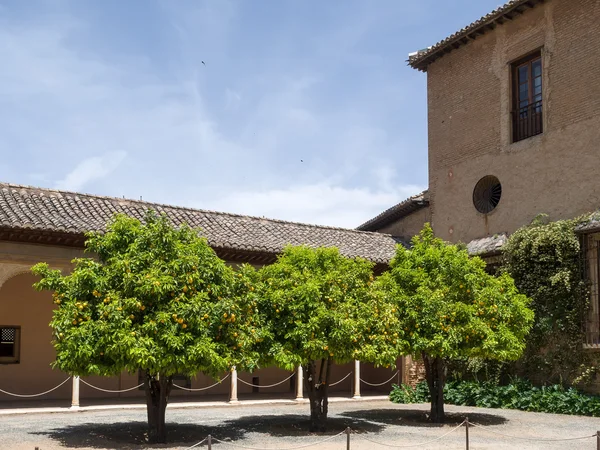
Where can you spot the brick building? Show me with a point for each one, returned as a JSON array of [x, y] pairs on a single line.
[[514, 129]]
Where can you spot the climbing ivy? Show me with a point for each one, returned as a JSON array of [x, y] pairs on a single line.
[[545, 260]]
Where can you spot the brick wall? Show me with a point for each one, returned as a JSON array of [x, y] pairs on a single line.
[[414, 371], [409, 225], [469, 102]]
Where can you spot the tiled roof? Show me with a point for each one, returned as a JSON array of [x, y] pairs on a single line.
[[26, 210], [421, 59], [590, 225], [488, 245], [396, 212]]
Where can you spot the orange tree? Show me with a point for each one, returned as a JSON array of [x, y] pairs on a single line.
[[313, 303], [448, 307], [156, 299]]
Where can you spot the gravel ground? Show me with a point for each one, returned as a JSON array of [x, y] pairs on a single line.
[[267, 427]]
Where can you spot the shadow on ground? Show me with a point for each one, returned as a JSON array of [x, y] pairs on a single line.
[[132, 435], [298, 425], [420, 418]]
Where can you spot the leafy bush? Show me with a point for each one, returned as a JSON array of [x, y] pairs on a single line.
[[520, 394], [407, 394]]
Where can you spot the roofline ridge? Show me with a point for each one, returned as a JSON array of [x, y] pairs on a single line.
[[187, 208], [418, 60], [384, 214]]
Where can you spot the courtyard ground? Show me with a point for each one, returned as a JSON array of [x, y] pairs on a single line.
[[280, 426]]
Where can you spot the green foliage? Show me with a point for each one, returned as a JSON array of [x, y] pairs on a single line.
[[519, 394], [155, 298], [447, 306], [479, 369], [312, 302], [545, 261], [405, 393]]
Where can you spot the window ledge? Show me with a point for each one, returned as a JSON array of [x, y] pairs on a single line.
[[524, 144], [591, 346]]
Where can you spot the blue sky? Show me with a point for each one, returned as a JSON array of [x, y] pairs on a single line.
[[303, 110]]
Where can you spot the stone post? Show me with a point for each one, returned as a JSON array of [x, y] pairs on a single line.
[[233, 397], [299, 383], [75, 393], [356, 379]]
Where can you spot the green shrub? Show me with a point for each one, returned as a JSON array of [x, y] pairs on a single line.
[[520, 394], [407, 394]]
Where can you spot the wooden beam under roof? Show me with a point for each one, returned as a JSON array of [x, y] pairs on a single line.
[[477, 28]]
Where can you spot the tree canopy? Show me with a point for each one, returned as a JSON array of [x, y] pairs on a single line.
[[154, 298], [447, 306], [312, 302]]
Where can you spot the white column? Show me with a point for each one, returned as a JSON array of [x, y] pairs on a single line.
[[75, 393], [299, 383], [233, 398], [356, 379]]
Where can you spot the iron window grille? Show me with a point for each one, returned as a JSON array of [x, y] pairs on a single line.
[[591, 255], [527, 111], [9, 344]]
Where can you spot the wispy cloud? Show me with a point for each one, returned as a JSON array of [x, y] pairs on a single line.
[[325, 202], [275, 124], [91, 169]]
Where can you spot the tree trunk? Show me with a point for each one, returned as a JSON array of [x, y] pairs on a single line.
[[317, 393], [435, 372], [157, 396]]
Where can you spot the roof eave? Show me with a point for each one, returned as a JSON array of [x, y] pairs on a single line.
[[77, 240], [377, 224], [470, 33], [588, 228]]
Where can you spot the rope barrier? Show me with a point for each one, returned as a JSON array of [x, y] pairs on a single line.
[[204, 388], [338, 382], [380, 384], [197, 445], [412, 445], [110, 391], [532, 438], [34, 395], [348, 431], [281, 448], [266, 386]]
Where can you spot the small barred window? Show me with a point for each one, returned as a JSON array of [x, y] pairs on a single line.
[[9, 345]]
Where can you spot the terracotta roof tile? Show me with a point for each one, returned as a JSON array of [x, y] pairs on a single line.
[[590, 225], [47, 210], [489, 245], [396, 212], [422, 58]]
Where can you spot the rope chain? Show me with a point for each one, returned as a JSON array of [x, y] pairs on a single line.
[[280, 448], [338, 382], [204, 388], [413, 445], [532, 439], [197, 444], [266, 386], [380, 384], [111, 391], [34, 395]]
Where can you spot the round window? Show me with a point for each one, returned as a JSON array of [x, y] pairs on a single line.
[[486, 194]]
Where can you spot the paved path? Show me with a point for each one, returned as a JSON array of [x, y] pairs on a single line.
[[280, 426]]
